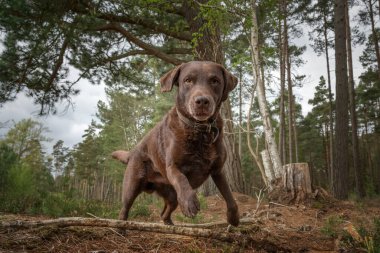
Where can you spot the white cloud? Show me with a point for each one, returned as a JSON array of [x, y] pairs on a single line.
[[68, 126]]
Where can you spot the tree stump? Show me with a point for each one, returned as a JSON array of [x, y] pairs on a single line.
[[296, 180], [295, 185]]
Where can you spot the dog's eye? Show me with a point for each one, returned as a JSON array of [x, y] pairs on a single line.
[[214, 81], [188, 81]]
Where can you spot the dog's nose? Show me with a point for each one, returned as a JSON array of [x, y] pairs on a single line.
[[202, 101]]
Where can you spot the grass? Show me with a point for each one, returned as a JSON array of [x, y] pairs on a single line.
[[331, 227], [198, 219]]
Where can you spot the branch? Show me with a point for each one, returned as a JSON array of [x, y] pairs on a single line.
[[129, 20], [218, 224], [130, 225], [58, 64], [149, 48], [145, 52]]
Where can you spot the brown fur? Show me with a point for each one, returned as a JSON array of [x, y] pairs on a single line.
[[176, 157]]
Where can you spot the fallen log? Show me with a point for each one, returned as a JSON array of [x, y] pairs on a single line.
[[128, 225], [240, 236]]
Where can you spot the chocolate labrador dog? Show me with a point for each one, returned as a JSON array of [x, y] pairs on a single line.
[[186, 147]]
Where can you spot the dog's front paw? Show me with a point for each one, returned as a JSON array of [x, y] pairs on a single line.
[[233, 216], [189, 204]]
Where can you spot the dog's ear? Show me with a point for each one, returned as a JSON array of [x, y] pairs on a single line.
[[170, 78], [230, 82]]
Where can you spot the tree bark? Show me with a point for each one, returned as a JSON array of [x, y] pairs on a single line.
[[240, 113], [267, 164], [129, 225], [290, 86], [374, 36], [256, 68], [331, 122], [295, 136], [326, 173], [282, 136], [207, 231], [254, 154], [354, 129], [340, 172], [296, 179]]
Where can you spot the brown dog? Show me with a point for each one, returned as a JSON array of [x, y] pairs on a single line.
[[186, 147]]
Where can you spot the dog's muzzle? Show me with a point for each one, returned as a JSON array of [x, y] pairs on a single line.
[[202, 107]]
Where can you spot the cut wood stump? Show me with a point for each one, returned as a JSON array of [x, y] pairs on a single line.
[[296, 180], [295, 186]]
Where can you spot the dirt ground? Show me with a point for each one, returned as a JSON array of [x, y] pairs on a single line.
[[327, 226]]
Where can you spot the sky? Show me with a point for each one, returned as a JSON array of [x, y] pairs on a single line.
[[69, 126]]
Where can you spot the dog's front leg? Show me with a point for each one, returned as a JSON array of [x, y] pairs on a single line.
[[232, 208], [187, 198]]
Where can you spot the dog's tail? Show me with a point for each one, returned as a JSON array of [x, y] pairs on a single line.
[[121, 155]]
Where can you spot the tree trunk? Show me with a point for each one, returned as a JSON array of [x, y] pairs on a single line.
[[374, 36], [232, 167], [340, 172], [295, 137], [256, 68], [354, 129], [209, 47], [325, 145], [290, 88], [240, 113], [282, 136], [254, 154], [331, 122], [269, 173]]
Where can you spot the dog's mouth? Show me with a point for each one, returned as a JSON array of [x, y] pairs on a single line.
[[201, 114]]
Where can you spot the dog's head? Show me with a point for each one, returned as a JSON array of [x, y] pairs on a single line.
[[202, 87]]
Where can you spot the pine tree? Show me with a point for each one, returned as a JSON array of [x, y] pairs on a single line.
[[340, 170]]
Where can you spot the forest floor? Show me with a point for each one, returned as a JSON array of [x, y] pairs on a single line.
[[333, 226]]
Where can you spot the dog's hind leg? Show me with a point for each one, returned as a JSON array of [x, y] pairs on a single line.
[[132, 186], [170, 197]]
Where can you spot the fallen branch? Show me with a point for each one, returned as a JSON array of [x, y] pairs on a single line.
[[218, 224], [129, 225], [278, 204], [241, 238]]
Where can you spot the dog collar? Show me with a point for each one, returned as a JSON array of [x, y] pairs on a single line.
[[206, 127]]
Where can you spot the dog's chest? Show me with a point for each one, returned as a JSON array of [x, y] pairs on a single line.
[[197, 159]]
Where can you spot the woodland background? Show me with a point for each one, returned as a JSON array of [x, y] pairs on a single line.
[[128, 45]]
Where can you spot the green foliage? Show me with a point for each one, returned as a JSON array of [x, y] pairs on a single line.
[[331, 227], [319, 16], [370, 236], [374, 239], [45, 40], [22, 194], [198, 219], [27, 179], [25, 137], [141, 206], [8, 159], [139, 210], [61, 205], [202, 201]]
